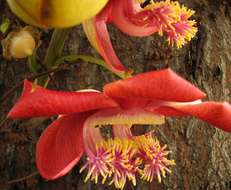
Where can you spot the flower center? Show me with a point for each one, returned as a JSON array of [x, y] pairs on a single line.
[[123, 157], [170, 18], [118, 160]]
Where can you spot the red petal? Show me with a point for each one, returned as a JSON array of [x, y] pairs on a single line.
[[217, 114], [38, 102], [97, 33], [61, 146], [28, 88], [132, 103], [106, 49], [122, 14], [166, 111], [162, 85]]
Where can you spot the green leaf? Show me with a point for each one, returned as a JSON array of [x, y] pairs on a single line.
[[54, 51], [5, 25], [32, 63], [90, 59]]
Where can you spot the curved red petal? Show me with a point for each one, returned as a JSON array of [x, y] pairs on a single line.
[[162, 85], [166, 111], [132, 103], [97, 33], [122, 14], [217, 114], [40, 102], [106, 49], [28, 87], [60, 146]]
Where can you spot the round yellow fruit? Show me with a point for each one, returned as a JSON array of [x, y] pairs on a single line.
[[56, 13]]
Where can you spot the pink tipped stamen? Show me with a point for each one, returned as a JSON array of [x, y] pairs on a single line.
[[124, 157], [124, 163], [166, 17], [97, 166], [154, 158], [119, 160]]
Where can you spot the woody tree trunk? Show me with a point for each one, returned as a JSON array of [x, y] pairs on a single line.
[[202, 153]]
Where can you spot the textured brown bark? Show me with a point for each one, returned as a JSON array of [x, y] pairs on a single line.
[[202, 153]]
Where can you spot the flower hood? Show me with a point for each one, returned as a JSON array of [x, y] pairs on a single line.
[[143, 99]]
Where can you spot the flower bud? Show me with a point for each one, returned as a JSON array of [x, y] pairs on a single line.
[[20, 43], [56, 13]]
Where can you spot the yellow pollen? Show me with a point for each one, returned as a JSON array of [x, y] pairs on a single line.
[[140, 1], [138, 117], [154, 158], [118, 160], [171, 14]]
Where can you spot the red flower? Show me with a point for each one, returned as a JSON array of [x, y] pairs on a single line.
[[143, 99], [165, 17]]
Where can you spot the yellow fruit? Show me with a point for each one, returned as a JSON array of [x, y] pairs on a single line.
[[55, 13]]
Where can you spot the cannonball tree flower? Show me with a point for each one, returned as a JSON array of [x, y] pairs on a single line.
[[143, 99], [55, 13], [164, 17]]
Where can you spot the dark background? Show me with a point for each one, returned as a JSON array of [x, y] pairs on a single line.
[[202, 153]]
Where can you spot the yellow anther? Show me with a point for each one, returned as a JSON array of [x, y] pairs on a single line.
[[125, 158], [173, 20]]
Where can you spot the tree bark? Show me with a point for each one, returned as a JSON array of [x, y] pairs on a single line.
[[202, 153]]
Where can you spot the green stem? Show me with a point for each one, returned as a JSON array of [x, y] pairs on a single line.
[[54, 51], [32, 63], [90, 59]]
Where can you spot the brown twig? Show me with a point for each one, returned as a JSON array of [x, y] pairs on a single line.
[[6, 95], [23, 178], [46, 70], [18, 85], [3, 122], [14, 88]]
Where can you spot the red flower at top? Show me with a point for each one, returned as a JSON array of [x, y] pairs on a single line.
[[143, 99], [164, 17]]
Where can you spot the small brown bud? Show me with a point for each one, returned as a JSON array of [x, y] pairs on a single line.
[[20, 43]]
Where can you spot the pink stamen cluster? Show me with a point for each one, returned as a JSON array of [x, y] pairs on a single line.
[[124, 162], [169, 18], [155, 158], [122, 159], [97, 165]]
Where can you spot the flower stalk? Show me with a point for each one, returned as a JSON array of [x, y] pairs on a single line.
[[54, 52]]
